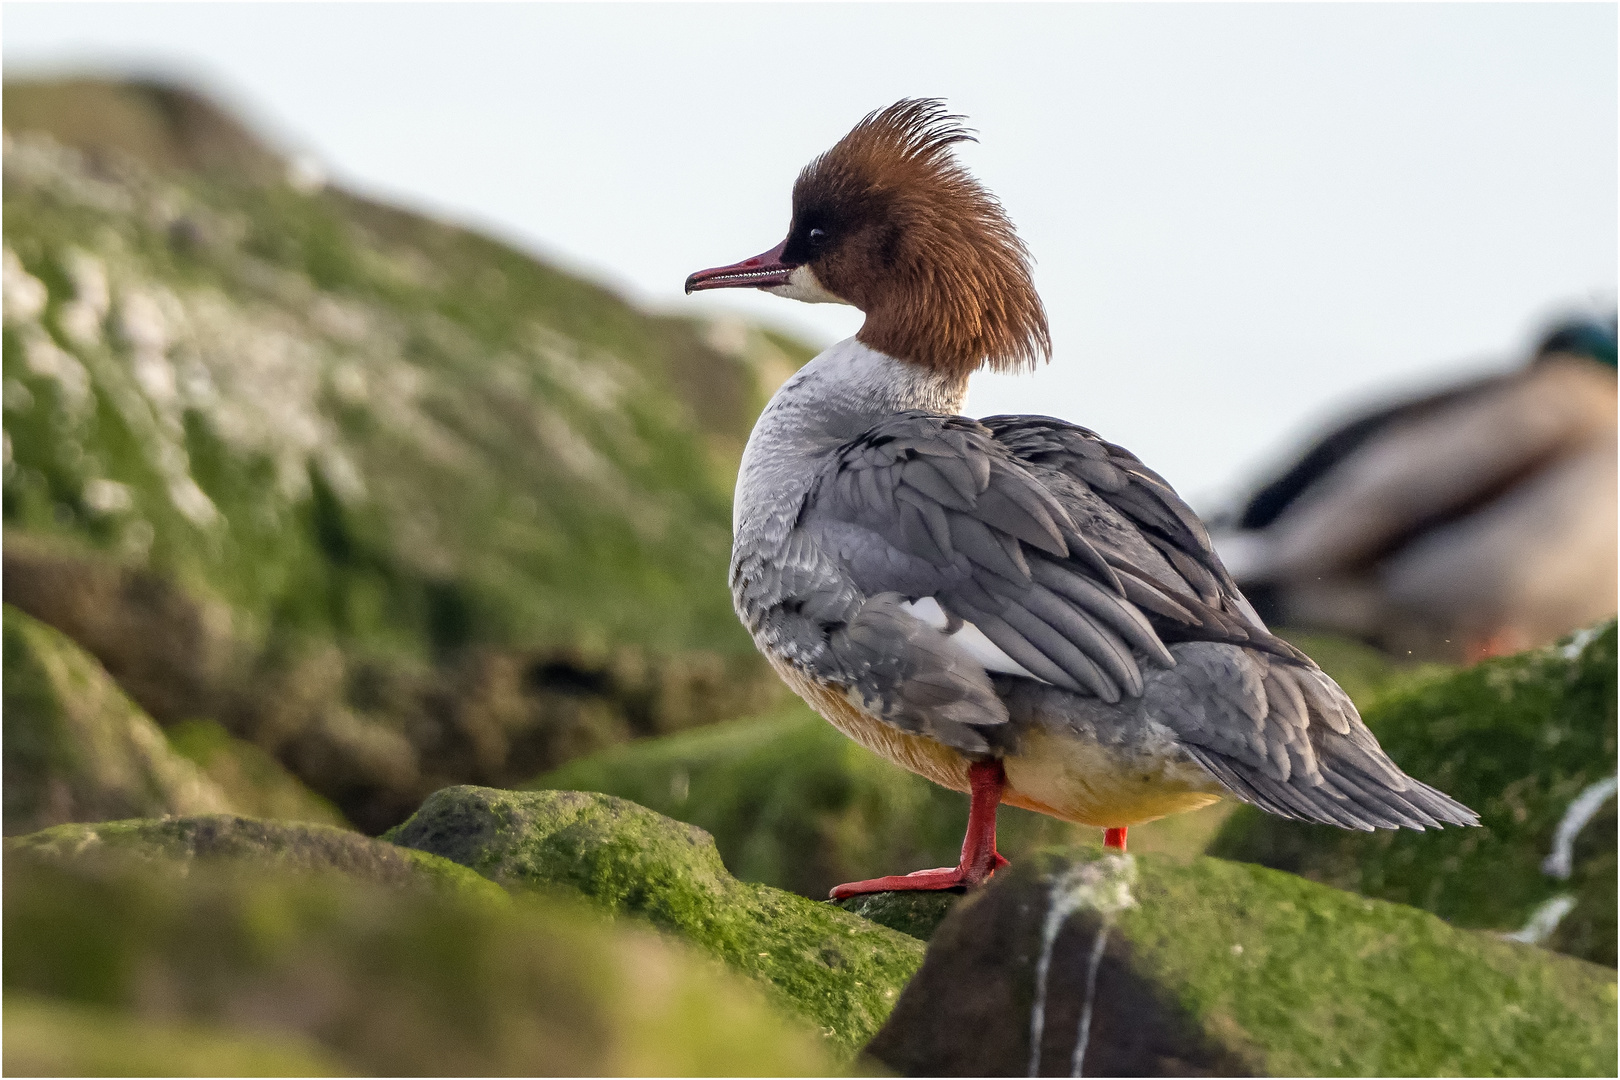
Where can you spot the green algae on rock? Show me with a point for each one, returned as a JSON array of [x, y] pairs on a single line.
[[838, 971], [77, 749], [1519, 739], [267, 845], [1231, 969], [45, 1037], [382, 980]]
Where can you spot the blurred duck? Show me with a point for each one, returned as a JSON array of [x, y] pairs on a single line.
[[1011, 607], [1473, 522]]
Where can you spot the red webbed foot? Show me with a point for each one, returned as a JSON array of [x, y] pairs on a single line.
[[980, 859], [946, 877]]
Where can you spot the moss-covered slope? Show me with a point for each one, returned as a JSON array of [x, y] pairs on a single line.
[[400, 504], [1518, 739], [837, 971], [347, 419]]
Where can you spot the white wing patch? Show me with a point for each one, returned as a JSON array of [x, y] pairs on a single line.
[[968, 638]]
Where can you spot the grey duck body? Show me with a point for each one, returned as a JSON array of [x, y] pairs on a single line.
[[947, 590]]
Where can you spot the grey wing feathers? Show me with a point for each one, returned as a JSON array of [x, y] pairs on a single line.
[[930, 505], [1285, 737], [1163, 560]]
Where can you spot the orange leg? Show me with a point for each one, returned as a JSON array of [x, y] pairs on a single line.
[[979, 856], [1503, 641], [1114, 838]]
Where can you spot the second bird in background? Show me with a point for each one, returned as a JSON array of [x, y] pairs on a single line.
[[1476, 521]]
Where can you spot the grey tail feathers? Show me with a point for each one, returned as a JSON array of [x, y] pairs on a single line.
[[1345, 795]]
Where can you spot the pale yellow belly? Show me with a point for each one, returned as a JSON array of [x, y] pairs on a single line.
[[1068, 778]]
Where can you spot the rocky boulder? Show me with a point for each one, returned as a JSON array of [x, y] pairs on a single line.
[[839, 972], [76, 748], [1529, 742], [398, 503], [246, 966], [1091, 964]]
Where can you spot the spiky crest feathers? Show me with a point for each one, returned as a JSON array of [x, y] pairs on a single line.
[[914, 241]]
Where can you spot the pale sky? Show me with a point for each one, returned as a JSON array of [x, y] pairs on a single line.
[[1245, 217]]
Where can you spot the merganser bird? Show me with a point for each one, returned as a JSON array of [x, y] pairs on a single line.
[[1011, 607], [1471, 522]]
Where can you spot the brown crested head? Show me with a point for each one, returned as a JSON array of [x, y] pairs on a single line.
[[889, 221]]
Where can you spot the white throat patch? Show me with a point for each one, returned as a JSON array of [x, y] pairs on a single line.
[[802, 285]]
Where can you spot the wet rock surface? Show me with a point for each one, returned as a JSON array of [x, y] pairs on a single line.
[[1116, 965], [917, 914]]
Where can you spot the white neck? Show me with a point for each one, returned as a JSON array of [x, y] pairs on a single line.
[[831, 400], [853, 382]]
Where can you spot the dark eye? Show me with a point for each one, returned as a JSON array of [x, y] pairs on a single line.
[[817, 235]]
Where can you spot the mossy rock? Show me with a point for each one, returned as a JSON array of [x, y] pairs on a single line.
[[1144, 965], [256, 784], [271, 846], [381, 980], [793, 803], [343, 419], [372, 733], [77, 749], [917, 914], [45, 1037], [837, 971], [1519, 739]]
